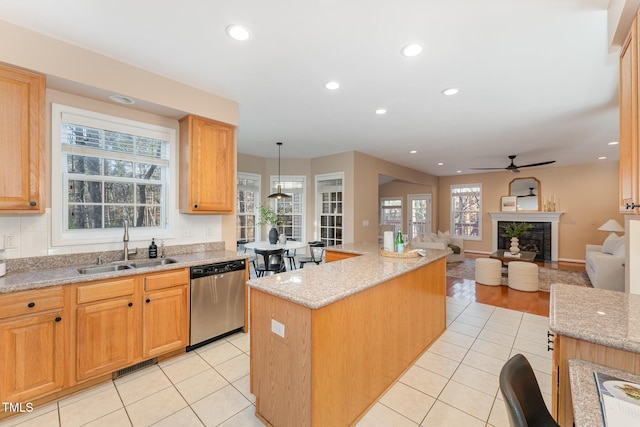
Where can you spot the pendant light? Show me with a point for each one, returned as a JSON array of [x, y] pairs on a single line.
[[279, 194]]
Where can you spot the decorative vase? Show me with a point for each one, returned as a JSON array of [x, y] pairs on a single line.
[[273, 236], [515, 249], [282, 239]]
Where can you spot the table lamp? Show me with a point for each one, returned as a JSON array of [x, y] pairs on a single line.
[[612, 226]]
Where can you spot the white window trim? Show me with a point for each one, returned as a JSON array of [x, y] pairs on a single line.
[[60, 237], [258, 179], [273, 180], [451, 219], [318, 208]]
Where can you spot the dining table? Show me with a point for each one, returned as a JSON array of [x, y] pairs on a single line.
[[265, 245]]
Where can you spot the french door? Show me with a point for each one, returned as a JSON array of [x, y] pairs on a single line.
[[418, 215]]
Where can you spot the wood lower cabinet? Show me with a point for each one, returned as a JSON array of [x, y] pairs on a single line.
[[22, 122], [332, 256], [33, 328], [106, 332], [207, 166], [165, 313]]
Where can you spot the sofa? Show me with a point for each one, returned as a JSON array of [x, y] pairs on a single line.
[[605, 263], [441, 240]]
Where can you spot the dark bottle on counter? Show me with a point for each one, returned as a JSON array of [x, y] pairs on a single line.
[[153, 249]]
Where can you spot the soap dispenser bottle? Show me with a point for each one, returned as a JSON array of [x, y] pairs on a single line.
[[153, 249]]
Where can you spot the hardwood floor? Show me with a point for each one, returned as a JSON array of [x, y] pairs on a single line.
[[503, 296]]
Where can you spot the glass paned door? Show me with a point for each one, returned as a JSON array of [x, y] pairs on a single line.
[[419, 215]]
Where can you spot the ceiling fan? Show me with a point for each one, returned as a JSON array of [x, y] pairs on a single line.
[[514, 168]]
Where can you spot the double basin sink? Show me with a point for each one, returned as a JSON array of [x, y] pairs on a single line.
[[120, 266]]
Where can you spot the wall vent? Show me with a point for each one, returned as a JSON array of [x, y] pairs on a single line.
[[129, 369]]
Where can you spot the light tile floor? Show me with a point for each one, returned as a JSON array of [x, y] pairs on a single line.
[[455, 382]]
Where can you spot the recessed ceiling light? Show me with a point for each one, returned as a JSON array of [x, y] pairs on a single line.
[[413, 151], [121, 99], [602, 158], [413, 49], [332, 85], [238, 32], [458, 171], [381, 111], [613, 143], [440, 163], [450, 91]]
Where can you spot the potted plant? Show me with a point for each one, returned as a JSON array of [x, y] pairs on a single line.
[[514, 231], [272, 217]]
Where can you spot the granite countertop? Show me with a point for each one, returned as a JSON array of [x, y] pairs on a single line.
[[35, 278], [600, 316], [326, 283], [584, 394]]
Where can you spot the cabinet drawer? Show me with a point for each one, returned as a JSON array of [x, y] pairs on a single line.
[[32, 301], [166, 280], [105, 290]]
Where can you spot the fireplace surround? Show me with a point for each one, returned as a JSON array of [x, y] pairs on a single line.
[[553, 218]]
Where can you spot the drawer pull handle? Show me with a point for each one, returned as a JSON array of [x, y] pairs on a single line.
[[631, 206], [148, 300], [58, 319], [31, 304], [130, 304], [32, 203], [549, 348], [550, 334], [549, 341]]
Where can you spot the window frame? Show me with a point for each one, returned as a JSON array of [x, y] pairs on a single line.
[[319, 203], [397, 227], [452, 226], [256, 214], [275, 203], [60, 235]]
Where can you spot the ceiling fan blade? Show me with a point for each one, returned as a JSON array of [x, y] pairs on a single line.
[[514, 170], [537, 164], [486, 168]]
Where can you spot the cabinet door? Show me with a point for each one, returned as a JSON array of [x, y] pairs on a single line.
[[106, 337], [165, 321], [207, 166], [629, 121], [32, 356], [21, 140]]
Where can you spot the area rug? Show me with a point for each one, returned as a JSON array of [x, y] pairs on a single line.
[[546, 276]]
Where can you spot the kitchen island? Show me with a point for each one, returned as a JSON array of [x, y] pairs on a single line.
[[593, 325], [328, 341]]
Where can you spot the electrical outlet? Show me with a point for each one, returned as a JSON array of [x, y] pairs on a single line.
[[277, 328], [9, 241], [188, 232], [209, 231]]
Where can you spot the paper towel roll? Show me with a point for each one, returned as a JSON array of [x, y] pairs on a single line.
[[388, 241]]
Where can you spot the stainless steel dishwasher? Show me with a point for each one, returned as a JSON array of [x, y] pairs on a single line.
[[217, 301]]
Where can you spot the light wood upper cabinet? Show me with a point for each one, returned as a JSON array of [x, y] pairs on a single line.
[[33, 328], [22, 97], [207, 166], [629, 122]]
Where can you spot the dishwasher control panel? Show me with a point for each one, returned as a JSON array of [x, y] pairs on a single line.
[[217, 268]]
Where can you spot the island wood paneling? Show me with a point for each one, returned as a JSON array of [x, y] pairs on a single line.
[[336, 361], [331, 256]]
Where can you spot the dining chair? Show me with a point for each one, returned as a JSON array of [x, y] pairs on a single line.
[[251, 259], [290, 254], [316, 254], [522, 396], [270, 261]]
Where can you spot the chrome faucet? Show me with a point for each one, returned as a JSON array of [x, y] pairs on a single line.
[[125, 240]]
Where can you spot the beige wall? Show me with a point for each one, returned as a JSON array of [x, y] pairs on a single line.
[[366, 198], [588, 194]]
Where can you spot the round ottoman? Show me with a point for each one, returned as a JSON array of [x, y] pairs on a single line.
[[488, 271], [523, 276]]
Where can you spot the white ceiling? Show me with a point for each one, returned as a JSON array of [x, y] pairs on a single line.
[[535, 76]]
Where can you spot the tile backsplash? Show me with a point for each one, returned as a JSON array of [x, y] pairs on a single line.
[[31, 235]]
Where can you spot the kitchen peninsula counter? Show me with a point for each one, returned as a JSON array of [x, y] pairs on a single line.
[[594, 325], [328, 341]]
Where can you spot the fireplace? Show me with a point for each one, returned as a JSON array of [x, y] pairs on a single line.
[[545, 241], [537, 240]]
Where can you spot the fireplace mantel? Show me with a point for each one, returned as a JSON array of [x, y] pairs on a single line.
[[552, 217]]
